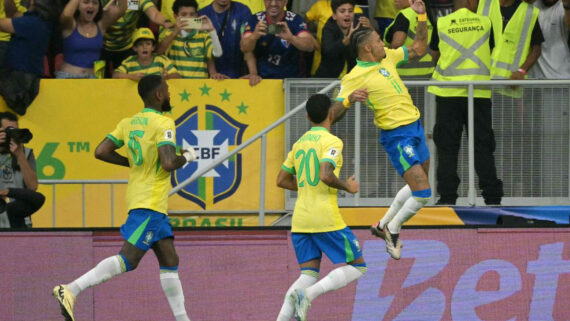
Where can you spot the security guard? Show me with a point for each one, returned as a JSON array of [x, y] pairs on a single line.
[[462, 41], [401, 32], [517, 34]]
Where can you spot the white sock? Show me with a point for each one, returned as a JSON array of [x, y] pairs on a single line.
[[410, 208], [173, 290], [403, 194], [102, 272], [288, 307], [336, 279]]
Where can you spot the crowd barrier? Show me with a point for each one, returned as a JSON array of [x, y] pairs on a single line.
[[218, 118], [444, 274]]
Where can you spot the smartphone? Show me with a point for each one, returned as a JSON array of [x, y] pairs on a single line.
[[274, 29], [193, 23]]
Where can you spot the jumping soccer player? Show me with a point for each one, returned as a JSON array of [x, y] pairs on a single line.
[[312, 168], [151, 140], [375, 81]]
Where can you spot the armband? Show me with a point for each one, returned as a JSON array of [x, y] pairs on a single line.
[[422, 17], [346, 103]]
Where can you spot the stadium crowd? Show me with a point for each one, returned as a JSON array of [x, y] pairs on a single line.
[[224, 39]]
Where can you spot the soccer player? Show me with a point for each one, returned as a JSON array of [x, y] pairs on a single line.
[[312, 168], [375, 81], [151, 140]]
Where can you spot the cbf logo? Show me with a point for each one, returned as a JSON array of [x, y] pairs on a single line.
[[211, 138], [384, 72], [148, 238]]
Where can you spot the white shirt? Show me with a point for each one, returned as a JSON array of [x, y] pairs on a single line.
[[554, 61]]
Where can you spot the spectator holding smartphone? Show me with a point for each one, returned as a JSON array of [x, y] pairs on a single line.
[[271, 51], [193, 43]]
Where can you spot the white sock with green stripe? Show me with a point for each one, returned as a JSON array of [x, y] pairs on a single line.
[[173, 290], [403, 194], [106, 269], [306, 279], [336, 279]]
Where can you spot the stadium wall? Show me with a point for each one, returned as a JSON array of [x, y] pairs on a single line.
[[444, 274]]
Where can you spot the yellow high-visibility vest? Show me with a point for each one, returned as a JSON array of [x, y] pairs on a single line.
[[464, 53], [424, 66], [513, 48], [492, 9]]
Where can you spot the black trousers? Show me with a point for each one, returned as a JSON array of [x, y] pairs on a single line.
[[25, 203], [451, 117]]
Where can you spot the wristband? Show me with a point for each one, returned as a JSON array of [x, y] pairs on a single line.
[[189, 155], [422, 17], [522, 71], [346, 103]]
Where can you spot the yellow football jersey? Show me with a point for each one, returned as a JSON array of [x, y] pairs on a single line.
[[316, 209], [144, 133], [387, 96]]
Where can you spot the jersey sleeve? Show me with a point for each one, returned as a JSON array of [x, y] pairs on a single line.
[[117, 135], [146, 5], [332, 152], [297, 26], [167, 65], [289, 163], [166, 133], [250, 24], [208, 45], [397, 56]]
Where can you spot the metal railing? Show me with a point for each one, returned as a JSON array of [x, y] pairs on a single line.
[[532, 134], [353, 127]]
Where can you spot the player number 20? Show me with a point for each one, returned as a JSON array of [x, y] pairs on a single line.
[[312, 177], [135, 146]]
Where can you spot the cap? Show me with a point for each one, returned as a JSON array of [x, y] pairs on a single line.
[[143, 33]]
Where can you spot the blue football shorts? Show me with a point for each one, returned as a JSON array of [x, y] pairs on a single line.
[[144, 227], [340, 246], [405, 145]]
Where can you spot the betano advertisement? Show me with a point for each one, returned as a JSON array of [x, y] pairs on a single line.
[[70, 117], [444, 274]]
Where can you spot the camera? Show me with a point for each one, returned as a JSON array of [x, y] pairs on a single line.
[[18, 135], [274, 29]]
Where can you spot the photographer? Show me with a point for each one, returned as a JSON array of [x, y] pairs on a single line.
[[18, 179]]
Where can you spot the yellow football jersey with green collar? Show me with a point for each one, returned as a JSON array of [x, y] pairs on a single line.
[[143, 134], [316, 209], [388, 97]]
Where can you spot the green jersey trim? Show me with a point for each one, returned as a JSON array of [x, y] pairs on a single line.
[[166, 143], [117, 142], [329, 161], [288, 170]]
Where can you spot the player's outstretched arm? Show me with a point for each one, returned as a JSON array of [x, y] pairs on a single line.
[[327, 176], [286, 180], [419, 47], [107, 152]]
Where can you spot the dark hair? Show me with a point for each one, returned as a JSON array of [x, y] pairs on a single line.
[[318, 107], [97, 17], [48, 10], [184, 3], [148, 85], [337, 3], [358, 37], [8, 115]]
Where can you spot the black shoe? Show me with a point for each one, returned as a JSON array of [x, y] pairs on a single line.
[[493, 201], [445, 201]]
